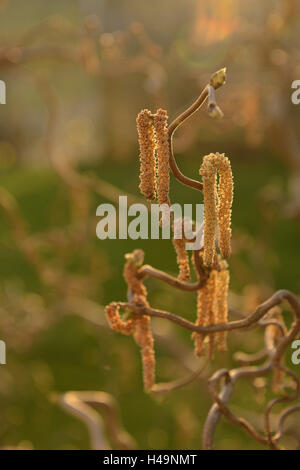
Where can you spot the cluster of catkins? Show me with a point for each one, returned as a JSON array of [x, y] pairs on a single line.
[[136, 324], [155, 172], [154, 155], [212, 298], [212, 308]]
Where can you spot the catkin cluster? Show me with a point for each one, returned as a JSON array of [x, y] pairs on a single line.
[[217, 205], [137, 324], [155, 172], [154, 155], [212, 308]]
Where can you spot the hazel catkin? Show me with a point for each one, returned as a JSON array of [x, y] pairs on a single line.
[[222, 285], [143, 334], [182, 259], [147, 154], [144, 338], [206, 315], [217, 205], [160, 122], [225, 194], [208, 173]]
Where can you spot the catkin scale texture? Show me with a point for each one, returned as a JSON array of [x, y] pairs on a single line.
[[222, 285], [147, 154], [225, 194], [143, 337], [210, 217], [182, 259], [143, 334], [160, 122], [217, 205], [206, 315]]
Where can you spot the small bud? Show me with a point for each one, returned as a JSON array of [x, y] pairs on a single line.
[[218, 78]]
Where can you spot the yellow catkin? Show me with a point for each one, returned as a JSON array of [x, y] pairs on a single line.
[[208, 173], [143, 337], [225, 193], [222, 285], [162, 152], [143, 334], [147, 154], [182, 259], [217, 204], [206, 315]]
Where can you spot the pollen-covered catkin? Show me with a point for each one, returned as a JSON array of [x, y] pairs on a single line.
[[147, 154], [212, 312], [143, 334], [222, 285], [217, 205], [209, 179], [206, 315], [162, 153], [143, 337], [225, 194], [182, 259]]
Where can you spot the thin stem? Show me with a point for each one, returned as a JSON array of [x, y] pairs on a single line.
[[172, 128]]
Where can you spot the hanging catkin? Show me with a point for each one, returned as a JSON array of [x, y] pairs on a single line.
[[147, 154], [160, 121], [222, 284], [143, 337], [217, 204], [225, 193], [182, 259], [179, 243], [143, 334], [206, 315], [209, 179]]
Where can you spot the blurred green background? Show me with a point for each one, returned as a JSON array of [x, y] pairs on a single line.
[[77, 73]]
